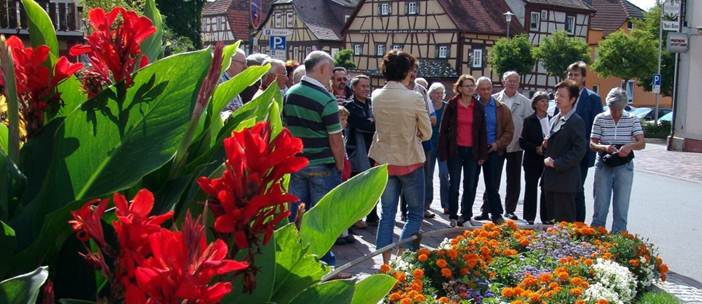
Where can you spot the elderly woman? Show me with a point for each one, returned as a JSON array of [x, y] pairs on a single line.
[[437, 94], [563, 149], [463, 145], [401, 124], [536, 128], [615, 134]]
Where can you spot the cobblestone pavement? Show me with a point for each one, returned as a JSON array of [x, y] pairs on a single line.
[[655, 159]]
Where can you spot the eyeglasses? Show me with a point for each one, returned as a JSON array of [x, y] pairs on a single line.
[[468, 86]]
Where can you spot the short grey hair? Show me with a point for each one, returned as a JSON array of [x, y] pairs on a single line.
[[436, 87], [256, 59], [298, 73], [483, 79], [274, 63], [315, 58], [422, 82], [509, 73], [617, 98]]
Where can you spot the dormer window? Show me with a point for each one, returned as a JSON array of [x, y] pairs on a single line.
[[385, 9]]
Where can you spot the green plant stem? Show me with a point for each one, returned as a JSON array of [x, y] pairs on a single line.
[[8, 70]]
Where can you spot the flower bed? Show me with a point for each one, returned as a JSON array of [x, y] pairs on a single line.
[[567, 263]]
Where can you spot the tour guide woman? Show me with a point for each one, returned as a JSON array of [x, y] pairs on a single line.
[[463, 144], [563, 150], [401, 124]]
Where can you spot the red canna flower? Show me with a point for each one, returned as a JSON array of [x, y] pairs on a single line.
[[182, 266], [249, 200], [113, 48], [87, 221], [35, 82]]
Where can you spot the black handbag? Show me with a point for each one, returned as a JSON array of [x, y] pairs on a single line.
[[614, 160]]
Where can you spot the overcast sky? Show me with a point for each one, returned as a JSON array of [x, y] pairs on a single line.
[[644, 4]]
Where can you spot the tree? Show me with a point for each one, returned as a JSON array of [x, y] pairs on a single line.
[[183, 17], [625, 55], [344, 58], [558, 51], [651, 24], [512, 54]]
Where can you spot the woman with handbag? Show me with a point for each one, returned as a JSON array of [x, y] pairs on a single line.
[[615, 134]]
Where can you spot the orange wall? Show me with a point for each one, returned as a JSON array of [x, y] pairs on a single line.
[[642, 98]]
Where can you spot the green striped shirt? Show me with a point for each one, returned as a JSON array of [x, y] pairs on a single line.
[[311, 113]]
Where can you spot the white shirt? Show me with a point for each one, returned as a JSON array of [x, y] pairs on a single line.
[[509, 101], [545, 126], [314, 82]]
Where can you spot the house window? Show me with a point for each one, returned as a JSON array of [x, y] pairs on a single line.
[[290, 20], [570, 25], [443, 51], [380, 50], [397, 46], [278, 20], [346, 18], [384, 9], [534, 21], [357, 49], [477, 61], [412, 7], [629, 25]]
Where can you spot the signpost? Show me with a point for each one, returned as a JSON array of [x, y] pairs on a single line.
[[669, 22], [277, 45], [656, 83]]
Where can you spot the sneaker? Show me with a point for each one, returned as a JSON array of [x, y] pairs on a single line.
[[345, 240], [403, 217], [531, 223], [453, 223], [446, 211], [428, 214], [512, 216], [361, 225], [482, 217], [372, 223], [498, 220]]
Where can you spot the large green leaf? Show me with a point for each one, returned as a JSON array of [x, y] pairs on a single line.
[[227, 54], [226, 91], [12, 182], [7, 241], [296, 269], [24, 288], [72, 95], [373, 289], [108, 145], [4, 139], [35, 158], [337, 291], [342, 207], [265, 278], [152, 46], [75, 301], [41, 30]]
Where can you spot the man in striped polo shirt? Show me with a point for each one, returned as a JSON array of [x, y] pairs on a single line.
[[311, 113]]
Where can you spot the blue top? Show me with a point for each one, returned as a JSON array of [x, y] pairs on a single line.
[[435, 129], [490, 120]]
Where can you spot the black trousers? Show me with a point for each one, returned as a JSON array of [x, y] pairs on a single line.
[[532, 175], [514, 181], [580, 211], [560, 206]]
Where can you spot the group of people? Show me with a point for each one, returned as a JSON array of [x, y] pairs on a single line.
[[411, 127]]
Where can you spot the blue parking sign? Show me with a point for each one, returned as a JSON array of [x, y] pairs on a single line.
[[656, 83], [276, 42]]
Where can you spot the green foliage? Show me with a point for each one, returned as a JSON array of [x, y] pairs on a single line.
[[183, 17], [152, 46], [370, 289], [24, 288], [626, 55], [650, 24], [512, 54], [559, 50], [326, 221], [658, 297], [344, 58], [651, 130], [108, 5], [173, 43], [41, 29]]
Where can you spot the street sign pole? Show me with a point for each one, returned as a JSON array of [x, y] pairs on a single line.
[[660, 51]]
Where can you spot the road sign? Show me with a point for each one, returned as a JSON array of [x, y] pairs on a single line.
[[276, 42], [678, 42], [670, 19], [656, 83]]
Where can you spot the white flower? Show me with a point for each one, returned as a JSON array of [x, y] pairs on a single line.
[[614, 283]]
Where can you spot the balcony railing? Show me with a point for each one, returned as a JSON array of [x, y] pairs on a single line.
[[65, 15]]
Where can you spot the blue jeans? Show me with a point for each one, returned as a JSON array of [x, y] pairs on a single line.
[[310, 185], [443, 179], [411, 186], [464, 162], [612, 184]]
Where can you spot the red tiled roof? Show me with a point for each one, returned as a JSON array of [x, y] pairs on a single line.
[[575, 4], [480, 16], [611, 14], [217, 7], [324, 18]]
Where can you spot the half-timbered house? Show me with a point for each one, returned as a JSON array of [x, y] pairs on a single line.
[[65, 14], [228, 21], [448, 37], [542, 18], [295, 28]]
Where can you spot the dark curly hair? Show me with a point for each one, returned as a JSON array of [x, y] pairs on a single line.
[[397, 64]]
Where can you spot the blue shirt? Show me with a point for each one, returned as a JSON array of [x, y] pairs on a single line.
[[435, 129], [490, 120]]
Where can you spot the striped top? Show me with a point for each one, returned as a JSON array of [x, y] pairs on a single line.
[[610, 133], [311, 113]]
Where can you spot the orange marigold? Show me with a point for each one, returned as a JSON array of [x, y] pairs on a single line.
[[385, 268], [443, 300], [602, 301], [446, 273], [395, 296], [507, 292], [577, 291], [406, 301], [634, 262], [422, 258], [441, 263], [400, 276]]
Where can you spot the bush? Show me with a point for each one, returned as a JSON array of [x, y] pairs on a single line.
[[651, 130]]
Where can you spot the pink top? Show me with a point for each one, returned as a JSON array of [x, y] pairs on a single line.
[[465, 125]]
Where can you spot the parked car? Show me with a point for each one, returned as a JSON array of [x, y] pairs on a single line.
[[666, 118]]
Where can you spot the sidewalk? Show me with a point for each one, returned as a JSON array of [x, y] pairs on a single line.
[[679, 165]]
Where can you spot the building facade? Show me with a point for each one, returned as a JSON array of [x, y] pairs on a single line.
[[687, 110], [66, 16], [448, 37], [228, 21], [293, 29]]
